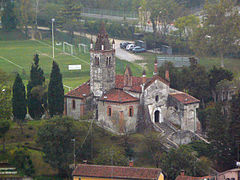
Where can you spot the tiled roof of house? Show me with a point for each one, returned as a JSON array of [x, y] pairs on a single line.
[[184, 98], [119, 96], [118, 172], [151, 80], [81, 91]]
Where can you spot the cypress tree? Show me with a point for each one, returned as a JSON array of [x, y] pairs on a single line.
[[55, 92], [9, 21], [19, 103], [35, 88]]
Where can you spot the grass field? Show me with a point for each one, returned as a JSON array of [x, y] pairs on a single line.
[[17, 56]]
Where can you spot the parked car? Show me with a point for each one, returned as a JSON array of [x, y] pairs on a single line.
[[130, 47], [138, 49], [123, 45]]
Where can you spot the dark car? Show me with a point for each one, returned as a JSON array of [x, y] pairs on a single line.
[[123, 45], [138, 49]]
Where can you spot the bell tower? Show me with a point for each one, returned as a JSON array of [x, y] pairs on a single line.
[[102, 64]]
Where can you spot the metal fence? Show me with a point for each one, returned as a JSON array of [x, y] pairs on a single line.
[[109, 12], [176, 60]]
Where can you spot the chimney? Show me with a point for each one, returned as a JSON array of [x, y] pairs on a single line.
[[91, 45], [182, 173], [144, 78], [155, 67], [131, 163], [84, 161], [113, 44], [167, 75]]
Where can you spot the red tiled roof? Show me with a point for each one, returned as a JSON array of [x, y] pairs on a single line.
[[149, 82], [136, 83], [118, 95], [184, 98], [81, 91], [118, 172]]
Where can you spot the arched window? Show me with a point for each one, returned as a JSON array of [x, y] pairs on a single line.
[[109, 111], [130, 111], [97, 61], [73, 104], [108, 61], [156, 98]]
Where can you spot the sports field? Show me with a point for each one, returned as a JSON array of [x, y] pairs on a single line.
[[17, 56]]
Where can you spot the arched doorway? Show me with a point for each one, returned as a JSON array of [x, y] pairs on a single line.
[[156, 116]]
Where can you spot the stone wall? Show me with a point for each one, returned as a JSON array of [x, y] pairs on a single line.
[[119, 121], [78, 111], [102, 75], [155, 97]]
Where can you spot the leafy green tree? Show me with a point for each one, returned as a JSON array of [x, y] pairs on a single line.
[[155, 146], [111, 156], [4, 127], [234, 128], [20, 158], [25, 15], [215, 76], [55, 92], [19, 102], [8, 17], [220, 30], [35, 90], [182, 158], [69, 16], [5, 97], [55, 138], [221, 143]]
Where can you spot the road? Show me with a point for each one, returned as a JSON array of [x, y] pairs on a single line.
[[120, 53]]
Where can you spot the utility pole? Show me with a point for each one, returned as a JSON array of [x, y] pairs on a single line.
[[53, 37], [74, 155]]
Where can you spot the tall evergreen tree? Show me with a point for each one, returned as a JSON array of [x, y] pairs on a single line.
[[35, 90], [19, 103], [55, 92], [8, 17]]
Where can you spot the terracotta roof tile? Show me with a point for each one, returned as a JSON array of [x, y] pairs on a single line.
[[118, 95], [136, 83], [184, 98], [80, 92], [118, 172], [150, 81]]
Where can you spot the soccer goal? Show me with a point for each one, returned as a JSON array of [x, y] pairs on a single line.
[[68, 48], [82, 48]]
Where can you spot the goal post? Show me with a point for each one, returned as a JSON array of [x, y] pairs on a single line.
[[67, 47], [82, 46]]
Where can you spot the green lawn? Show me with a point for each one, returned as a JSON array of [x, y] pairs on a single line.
[[17, 56]]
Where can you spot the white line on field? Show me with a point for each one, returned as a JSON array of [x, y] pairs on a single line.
[[44, 54], [61, 50], [69, 88], [11, 62]]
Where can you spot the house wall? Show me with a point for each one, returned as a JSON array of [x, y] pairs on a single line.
[[79, 107], [119, 121], [161, 90], [229, 174]]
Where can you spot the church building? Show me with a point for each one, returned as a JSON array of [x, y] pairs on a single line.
[[123, 102]]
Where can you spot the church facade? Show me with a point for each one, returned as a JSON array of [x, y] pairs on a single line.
[[122, 103]]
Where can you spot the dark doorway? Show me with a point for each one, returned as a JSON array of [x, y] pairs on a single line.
[[156, 116]]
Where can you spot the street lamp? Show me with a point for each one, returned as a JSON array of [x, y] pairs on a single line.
[[53, 37]]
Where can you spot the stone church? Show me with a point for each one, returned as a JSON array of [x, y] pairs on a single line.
[[123, 102]]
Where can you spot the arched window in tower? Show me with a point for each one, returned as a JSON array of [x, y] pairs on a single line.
[[97, 61], [109, 61], [156, 98]]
